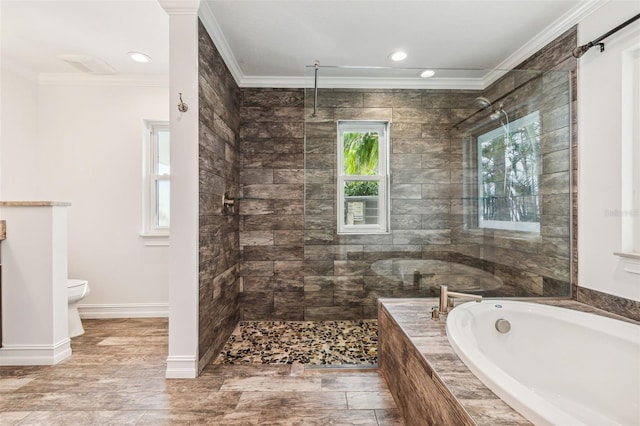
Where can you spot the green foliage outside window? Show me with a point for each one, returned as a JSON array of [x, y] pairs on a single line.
[[360, 153], [509, 174], [360, 188]]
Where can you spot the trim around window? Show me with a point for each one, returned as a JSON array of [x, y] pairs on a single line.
[[510, 209], [156, 181], [363, 192], [629, 211]]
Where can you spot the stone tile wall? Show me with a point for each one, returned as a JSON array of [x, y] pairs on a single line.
[[553, 94], [295, 266], [272, 208], [219, 164], [610, 303], [342, 274]]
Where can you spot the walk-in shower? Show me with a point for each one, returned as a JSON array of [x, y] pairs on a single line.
[[470, 187]]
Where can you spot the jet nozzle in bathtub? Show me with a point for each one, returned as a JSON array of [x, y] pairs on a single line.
[[445, 295], [503, 326]]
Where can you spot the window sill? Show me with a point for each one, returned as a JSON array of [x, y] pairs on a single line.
[[633, 256], [155, 240], [631, 262], [506, 234], [364, 233]]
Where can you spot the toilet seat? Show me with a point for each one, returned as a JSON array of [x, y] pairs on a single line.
[[76, 283]]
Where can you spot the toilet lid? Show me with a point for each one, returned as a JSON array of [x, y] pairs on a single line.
[[76, 283]]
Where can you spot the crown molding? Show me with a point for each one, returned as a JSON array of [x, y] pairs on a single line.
[[213, 28], [551, 32], [180, 7], [217, 36], [363, 83], [145, 80], [544, 37], [7, 64]]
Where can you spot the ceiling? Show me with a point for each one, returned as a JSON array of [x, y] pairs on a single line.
[[34, 32], [269, 43]]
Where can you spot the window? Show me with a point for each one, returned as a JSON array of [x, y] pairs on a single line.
[[635, 126], [156, 180], [508, 176], [630, 140], [363, 172]]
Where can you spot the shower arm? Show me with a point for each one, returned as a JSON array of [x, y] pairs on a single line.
[[316, 67]]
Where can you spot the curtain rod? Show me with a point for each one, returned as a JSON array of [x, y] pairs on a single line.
[[581, 50]]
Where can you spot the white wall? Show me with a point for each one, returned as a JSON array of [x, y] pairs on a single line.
[[600, 208], [90, 151], [18, 134], [182, 361], [35, 327]]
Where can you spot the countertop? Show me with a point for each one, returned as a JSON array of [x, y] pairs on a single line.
[[34, 203]]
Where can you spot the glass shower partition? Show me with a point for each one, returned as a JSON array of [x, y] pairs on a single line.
[[471, 189]]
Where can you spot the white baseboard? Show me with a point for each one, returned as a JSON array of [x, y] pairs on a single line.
[[35, 354], [182, 367], [124, 310]]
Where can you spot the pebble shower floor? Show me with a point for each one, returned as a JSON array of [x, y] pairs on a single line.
[[302, 342]]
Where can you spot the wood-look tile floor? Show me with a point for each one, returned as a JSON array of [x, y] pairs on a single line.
[[116, 377]]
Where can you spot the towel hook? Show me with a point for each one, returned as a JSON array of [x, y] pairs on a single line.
[[182, 107]]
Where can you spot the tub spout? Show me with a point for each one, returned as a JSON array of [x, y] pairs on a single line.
[[445, 295]]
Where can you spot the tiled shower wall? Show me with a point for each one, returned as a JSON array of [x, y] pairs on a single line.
[[290, 273], [271, 208], [543, 260], [219, 164], [296, 266], [341, 279]]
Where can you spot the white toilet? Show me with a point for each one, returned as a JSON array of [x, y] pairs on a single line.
[[77, 290]]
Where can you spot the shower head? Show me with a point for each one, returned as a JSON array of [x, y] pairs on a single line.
[[483, 102], [496, 113]]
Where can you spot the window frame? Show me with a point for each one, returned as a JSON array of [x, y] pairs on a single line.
[[630, 148], [529, 227], [364, 126], [635, 136], [157, 235]]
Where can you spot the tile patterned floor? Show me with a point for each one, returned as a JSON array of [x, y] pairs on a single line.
[[116, 376], [302, 342]]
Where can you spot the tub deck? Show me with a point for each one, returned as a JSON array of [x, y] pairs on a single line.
[[429, 383]]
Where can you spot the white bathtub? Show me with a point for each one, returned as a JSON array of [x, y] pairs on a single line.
[[555, 366]]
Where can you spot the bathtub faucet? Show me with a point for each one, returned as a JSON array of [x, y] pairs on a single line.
[[445, 295]]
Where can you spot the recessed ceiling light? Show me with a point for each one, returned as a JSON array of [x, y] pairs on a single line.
[[398, 55], [427, 73], [139, 57]]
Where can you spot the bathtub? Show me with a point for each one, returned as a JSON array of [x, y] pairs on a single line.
[[555, 366], [457, 276]]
